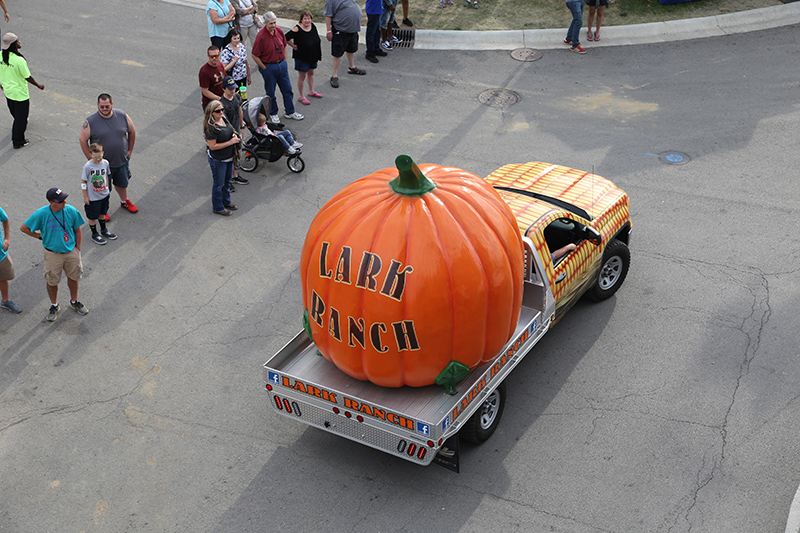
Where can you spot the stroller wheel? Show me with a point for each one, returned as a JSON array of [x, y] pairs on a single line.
[[295, 163], [248, 161]]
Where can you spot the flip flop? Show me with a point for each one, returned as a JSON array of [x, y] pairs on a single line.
[[303, 100], [596, 36], [314, 95], [356, 70], [589, 36]]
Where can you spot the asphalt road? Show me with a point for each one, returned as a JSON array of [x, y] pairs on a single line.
[[671, 407]]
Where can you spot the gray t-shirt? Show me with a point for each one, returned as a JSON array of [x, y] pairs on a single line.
[[95, 175], [345, 15], [112, 133]]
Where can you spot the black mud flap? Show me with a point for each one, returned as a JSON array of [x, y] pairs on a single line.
[[448, 454]]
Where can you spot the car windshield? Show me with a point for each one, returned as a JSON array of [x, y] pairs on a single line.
[[574, 209]]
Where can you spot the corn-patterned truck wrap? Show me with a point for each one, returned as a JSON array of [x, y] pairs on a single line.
[[575, 228]]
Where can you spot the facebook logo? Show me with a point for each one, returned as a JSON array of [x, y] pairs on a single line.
[[273, 377], [423, 429]]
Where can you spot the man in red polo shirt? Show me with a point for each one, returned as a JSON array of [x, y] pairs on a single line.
[[269, 53], [211, 75]]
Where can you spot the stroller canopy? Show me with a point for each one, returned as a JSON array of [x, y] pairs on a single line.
[[253, 107]]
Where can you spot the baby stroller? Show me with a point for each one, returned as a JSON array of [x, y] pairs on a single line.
[[261, 146]]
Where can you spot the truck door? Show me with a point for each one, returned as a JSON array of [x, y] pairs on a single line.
[[571, 261]]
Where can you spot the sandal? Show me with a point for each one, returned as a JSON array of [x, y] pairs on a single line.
[[314, 94], [596, 36], [335, 83], [589, 36], [303, 100], [356, 70]]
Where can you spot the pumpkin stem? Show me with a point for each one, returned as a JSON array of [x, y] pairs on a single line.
[[411, 181]]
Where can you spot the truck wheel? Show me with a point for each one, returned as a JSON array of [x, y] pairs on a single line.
[[616, 260], [483, 423]]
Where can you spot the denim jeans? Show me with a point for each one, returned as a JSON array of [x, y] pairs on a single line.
[[574, 31], [286, 138], [278, 75], [373, 36], [221, 190]]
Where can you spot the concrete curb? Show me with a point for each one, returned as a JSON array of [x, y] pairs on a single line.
[[654, 32]]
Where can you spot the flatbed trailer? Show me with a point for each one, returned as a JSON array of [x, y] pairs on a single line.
[[409, 422]]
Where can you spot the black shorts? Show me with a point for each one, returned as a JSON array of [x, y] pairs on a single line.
[[344, 42], [595, 3], [95, 208]]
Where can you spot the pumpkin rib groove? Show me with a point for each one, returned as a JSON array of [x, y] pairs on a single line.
[[449, 261], [395, 203], [478, 260], [504, 244]]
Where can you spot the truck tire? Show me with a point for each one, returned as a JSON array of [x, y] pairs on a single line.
[[483, 423], [616, 260]]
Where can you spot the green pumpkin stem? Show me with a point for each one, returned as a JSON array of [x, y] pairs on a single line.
[[411, 181]]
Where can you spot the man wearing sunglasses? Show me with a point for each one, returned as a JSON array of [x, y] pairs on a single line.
[[58, 225], [211, 75]]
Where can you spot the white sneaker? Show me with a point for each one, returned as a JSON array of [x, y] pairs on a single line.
[[294, 116], [274, 119], [395, 40], [291, 151], [297, 145], [386, 45]]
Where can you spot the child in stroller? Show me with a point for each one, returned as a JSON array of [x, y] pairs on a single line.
[[285, 136], [266, 143]]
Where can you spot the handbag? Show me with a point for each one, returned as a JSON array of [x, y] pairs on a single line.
[[258, 20]]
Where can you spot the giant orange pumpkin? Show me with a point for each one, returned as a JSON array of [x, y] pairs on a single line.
[[409, 269]]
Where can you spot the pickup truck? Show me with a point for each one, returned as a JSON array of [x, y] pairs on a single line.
[[575, 229]]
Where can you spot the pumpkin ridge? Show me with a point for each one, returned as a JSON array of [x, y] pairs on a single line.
[[448, 260], [480, 211], [395, 202], [366, 208], [478, 256]]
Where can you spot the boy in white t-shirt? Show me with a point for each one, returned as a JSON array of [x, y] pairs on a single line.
[[94, 185]]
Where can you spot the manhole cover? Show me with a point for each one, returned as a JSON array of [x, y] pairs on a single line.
[[498, 98], [526, 54], [674, 158]]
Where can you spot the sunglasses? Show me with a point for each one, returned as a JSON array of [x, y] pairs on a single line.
[[218, 111], [214, 56], [58, 201], [104, 106]]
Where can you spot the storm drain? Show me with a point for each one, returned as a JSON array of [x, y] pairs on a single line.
[[407, 36], [498, 98], [526, 54], [671, 157]]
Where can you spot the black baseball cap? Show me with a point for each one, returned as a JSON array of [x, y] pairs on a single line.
[[56, 195]]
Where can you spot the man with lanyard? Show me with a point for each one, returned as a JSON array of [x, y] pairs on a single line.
[[114, 129], [269, 53], [58, 226]]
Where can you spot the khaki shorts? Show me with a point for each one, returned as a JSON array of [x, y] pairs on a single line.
[[54, 263], [6, 269]]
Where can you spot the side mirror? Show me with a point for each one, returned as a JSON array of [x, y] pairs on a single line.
[[592, 235]]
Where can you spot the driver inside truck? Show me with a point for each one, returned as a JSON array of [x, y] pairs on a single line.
[[561, 252]]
